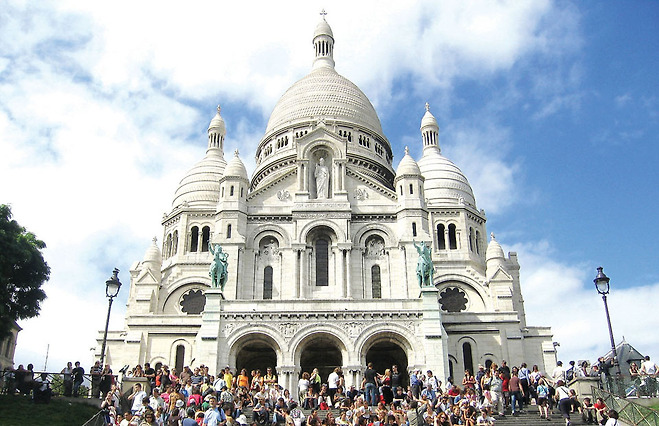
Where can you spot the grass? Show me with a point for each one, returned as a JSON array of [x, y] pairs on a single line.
[[19, 411]]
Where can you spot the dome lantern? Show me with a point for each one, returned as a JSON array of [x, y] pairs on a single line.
[[323, 41], [217, 131], [430, 131]]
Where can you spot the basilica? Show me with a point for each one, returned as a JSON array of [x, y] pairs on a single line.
[[327, 255]]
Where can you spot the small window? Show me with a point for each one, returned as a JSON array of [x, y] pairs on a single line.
[[322, 263], [231, 191], [441, 241], [228, 231], [241, 192], [205, 238], [194, 238], [376, 283], [222, 192], [400, 188], [452, 237], [467, 357], [267, 282], [414, 229], [411, 189]]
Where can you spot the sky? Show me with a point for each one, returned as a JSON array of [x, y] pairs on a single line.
[[551, 109]]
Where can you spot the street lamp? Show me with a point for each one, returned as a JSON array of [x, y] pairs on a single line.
[[602, 285], [112, 286]]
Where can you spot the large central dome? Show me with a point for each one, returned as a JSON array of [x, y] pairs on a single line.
[[324, 94]]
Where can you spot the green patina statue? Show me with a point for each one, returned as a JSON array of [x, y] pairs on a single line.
[[219, 266], [424, 268]]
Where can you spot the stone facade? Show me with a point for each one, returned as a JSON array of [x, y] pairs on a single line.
[[8, 347], [322, 247]]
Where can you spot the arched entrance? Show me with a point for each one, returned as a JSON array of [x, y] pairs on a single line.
[[385, 352], [321, 351], [255, 352]]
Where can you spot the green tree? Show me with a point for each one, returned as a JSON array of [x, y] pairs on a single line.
[[22, 272]]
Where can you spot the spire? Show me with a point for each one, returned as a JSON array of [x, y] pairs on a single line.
[[430, 131], [323, 41], [216, 132]]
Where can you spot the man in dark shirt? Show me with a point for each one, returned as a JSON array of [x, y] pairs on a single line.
[[395, 379], [78, 377], [516, 391], [370, 385], [96, 372], [150, 374]]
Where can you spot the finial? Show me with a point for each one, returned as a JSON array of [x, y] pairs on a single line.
[[407, 150], [218, 109], [155, 240], [235, 153], [427, 106], [323, 13], [492, 236]]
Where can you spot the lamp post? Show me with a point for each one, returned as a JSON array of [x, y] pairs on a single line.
[[112, 286], [602, 285]]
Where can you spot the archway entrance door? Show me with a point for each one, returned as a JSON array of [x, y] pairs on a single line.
[[323, 353], [387, 353], [256, 355]]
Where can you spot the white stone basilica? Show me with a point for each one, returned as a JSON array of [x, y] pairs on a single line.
[[321, 253]]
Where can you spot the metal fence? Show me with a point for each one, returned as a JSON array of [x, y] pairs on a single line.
[[630, 411]]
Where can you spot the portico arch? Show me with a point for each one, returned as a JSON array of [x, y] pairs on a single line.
[[385, 349], [321, 350], [254, 351]]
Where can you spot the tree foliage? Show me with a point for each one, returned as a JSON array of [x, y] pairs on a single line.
[[23, 270]]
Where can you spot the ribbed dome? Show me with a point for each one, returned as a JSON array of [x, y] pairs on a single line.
[[201, 185], [153, 253], [324, 94], [323, 28], [494, 250], [217, 124], [445, 182], [407, 165], [236, 168], [428, 119]]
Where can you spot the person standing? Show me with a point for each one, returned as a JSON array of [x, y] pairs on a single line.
[[369, 384], [516, 391], [333, 382], [67, 378], [649, 371], [396, 379], [78, 377], [96, 371]]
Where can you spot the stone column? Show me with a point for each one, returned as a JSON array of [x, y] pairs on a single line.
[[435, 339]]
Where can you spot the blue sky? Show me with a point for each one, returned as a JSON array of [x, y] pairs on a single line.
[[551, 109]]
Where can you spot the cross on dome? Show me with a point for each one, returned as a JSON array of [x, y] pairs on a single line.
[[407, 150], [218, 109], [323, 13], [492, 236], [235, 153], [427, 106]]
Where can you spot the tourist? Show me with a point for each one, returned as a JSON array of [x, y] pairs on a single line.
[[563, 399], [67, 378], [613, 418], [516, 391], [137, 397], [485, 418], [78, 377], [542, 390], [148, 419], [214, 416], [369, 384], [588, 411], [96, 375], [649, 372]]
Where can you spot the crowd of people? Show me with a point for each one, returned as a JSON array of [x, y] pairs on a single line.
[[167, 397]]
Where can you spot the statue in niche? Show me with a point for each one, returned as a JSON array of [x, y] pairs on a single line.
[[270, 248], [375, 247], [219, 266], [424, 268], [322, 179]]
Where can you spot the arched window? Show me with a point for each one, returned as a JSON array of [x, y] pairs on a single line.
[[175, 242], [168, 246], [471, 239], [452, 237], [322, 262], [228, 231], [194, 238], [222, 192], [467, 357], [180, 357], [478, 242], [450, 368], [205, 238], [400, 188], [231, 191], [376, 283], [241, 192], [267, 282], [441, 242], [411, 189], [414, 229]]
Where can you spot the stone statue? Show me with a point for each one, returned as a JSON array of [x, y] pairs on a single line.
[[322, 179], [424, 267], [219, 266]]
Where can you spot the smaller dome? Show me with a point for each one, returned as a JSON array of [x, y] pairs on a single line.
[[494, 250], [235, 167], [407, 165], [217, 124], [323, 28], [428, 119], [153, 252]]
